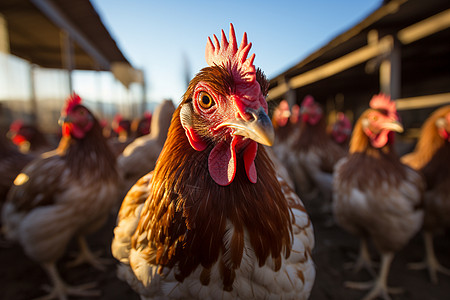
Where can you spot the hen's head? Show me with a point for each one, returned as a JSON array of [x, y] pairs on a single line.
[[19, 133], [76, 120], [281, 114], [224, 109], [141, 126], [380, 121], [295, 115], [311, 111], [443, 122], [121, 125], [342, 128]]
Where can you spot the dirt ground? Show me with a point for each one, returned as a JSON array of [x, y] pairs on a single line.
[[21, 278]]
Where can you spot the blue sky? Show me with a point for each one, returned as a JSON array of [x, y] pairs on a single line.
[[167, 38]]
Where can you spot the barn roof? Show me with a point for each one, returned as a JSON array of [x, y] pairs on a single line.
[[38, 30]]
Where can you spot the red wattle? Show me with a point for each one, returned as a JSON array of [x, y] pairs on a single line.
[[249, 161], [18, 139], [66, 128], [444, 134], [222, 163]]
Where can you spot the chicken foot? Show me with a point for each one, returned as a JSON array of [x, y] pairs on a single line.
[[363, 260], [87, 256], [62, 290], [431, 262], [379, 286]]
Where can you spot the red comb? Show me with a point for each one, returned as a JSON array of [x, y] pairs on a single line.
[[118, 118], [308, 101], [227, 54], [72, 101], [383, 102], [342, 117], [15, 126]]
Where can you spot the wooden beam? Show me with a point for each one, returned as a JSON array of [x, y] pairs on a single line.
[[277, 91], [342, 63], [423, 101], [55, 15], [425, 28], [336, 66]]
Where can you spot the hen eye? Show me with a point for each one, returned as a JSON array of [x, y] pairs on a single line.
[[205, 100]]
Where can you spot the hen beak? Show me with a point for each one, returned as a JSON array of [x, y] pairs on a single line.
[[259, 128], [393, 126], [62, 120]]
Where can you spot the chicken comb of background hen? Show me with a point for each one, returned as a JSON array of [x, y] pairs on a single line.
[[72, 101], [383, 103], [308, 101], [15, 126]]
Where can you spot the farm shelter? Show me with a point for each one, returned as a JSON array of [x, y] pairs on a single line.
[[402, 49], [41, 43]]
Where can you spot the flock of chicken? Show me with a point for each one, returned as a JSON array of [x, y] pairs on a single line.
[[207, 209]]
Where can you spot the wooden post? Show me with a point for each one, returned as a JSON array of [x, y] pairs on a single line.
[[396, 70], [33, 101], [390, 73], [4, 36], [67, 56]]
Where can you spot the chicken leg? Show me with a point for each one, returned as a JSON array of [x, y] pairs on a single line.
[[379, 287], [61, 290], [363, 260], [87, 256], [431, 262]]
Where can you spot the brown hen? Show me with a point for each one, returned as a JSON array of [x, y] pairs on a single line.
[[432, 158], [213, 221], [375, 196], [64, 194]]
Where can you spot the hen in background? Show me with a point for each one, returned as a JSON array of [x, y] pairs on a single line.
[[284, 133], [315, 154], [66, 193], [375, 196], [141, 126], [213, 221], [12, 162], [283, 130], [120, 136], [341, 130], [432, 158], [29, 138], [139, 157]]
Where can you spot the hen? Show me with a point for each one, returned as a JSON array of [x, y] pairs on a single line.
[[283, 130], [375, 196], [213, 221], [141, 126], [12, 162], [341, 130], [29, 138], [66, 193], [315, 154], [120, 134], [432, 157], [139, 157]]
